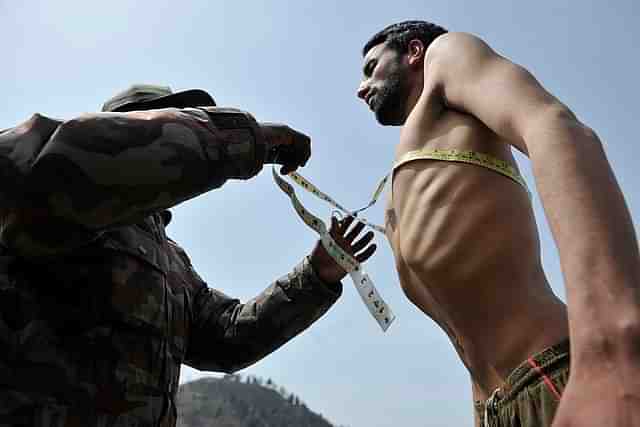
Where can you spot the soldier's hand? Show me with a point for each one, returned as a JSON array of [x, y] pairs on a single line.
[[325, 267], [285, 146]]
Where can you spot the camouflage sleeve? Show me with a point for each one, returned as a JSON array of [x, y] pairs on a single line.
[[109, 169], [227, 336]]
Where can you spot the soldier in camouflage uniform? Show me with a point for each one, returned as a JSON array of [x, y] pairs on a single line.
[[98, 308]]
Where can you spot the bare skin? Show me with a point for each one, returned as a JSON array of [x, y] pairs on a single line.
[[465, 240]]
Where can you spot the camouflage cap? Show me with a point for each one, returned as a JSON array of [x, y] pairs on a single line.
[[149, 97]]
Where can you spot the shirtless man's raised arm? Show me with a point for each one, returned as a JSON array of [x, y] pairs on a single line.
[[465, 240], [587, 214]]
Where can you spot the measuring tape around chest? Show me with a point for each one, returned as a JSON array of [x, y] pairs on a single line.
[[469, 157], [451, 155]]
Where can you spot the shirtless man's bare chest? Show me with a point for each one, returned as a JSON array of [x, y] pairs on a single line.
[[466, 245], [465, 240]]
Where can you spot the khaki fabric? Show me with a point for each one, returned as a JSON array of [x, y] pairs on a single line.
[[530, 396]]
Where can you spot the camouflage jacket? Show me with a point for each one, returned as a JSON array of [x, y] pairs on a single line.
[[98, 308]]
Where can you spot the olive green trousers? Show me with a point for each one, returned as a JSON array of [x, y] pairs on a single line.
[[531, 393]]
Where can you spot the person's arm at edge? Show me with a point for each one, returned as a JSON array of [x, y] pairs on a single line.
[[228, 335], [104, 170], [128, 164], [585, 207]]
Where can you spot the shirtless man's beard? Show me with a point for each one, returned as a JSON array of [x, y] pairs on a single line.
[[389, 101]]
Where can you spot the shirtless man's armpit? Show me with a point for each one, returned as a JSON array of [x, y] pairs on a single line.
[[464, 236]]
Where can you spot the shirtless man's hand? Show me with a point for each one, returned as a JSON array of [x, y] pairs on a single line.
[[589, 220], [465, 240]]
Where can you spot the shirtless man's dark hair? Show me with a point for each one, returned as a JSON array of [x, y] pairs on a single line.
[[399, 35]]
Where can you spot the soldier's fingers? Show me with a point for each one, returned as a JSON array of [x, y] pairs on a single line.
[[364, 241], [353, 233], [344, 225], [306, 154], [287, 165], [366, 254]]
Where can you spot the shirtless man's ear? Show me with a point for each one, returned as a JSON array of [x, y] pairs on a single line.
[[416, 53], [465, 239]]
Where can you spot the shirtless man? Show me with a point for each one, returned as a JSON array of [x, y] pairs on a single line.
[[465, 240]]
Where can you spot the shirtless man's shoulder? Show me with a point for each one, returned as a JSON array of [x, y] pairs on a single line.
[[464, 237], [469, 194], [465, 241]]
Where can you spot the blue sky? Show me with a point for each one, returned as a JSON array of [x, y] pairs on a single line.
[[299, 63]]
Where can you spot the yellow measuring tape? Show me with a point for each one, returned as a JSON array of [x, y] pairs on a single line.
[[379, 309], [376, 305], [470, 157], [307, 185]]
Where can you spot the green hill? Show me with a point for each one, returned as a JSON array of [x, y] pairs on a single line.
[[234, 402]]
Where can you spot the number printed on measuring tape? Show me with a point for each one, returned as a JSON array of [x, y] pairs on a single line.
[[307, 185], [470, 157], [363, 283], [377, 307]]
